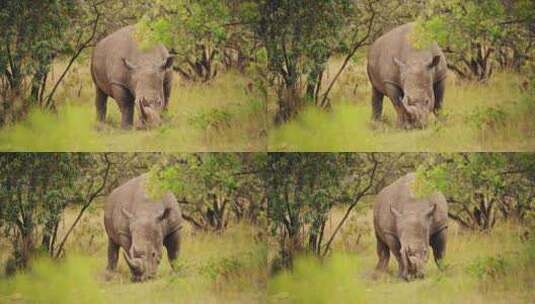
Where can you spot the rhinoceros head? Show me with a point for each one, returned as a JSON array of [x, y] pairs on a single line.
[[145, 252], [147, 81], [417, 84], [414, 229]]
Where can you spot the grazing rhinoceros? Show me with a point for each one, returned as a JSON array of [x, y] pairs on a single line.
[[141, 225], [134, 78], [407, 225], [413, 79]]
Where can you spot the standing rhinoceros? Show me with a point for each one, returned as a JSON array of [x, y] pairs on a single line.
[[407, 225], [141, 225], [414, 79], [134, 78]]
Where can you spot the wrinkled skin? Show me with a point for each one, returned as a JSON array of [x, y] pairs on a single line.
[[137, 80], [407, 226], [413, 79], [141, 226]]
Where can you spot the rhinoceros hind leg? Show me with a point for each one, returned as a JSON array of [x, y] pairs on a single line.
[[383, 253], [438, 243], [100, 103], [113, 255], [377, 104], [439, 88], [172, 244]]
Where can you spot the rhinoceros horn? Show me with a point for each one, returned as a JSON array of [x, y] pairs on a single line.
[[408, 108], [135, 264]]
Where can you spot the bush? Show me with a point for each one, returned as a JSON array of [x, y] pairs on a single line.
[[311, 281], [492, 118], [212, 119], [489, 267]]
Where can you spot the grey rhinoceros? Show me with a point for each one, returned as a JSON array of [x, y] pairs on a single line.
[[135, 78], [414, 79], [406, 225], [140, 226]]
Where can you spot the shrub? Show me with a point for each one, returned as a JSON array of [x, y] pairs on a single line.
[[489, 267]]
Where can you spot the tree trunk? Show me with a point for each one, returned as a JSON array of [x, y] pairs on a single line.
[[290, 102]]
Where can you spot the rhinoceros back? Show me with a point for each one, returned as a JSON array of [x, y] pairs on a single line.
[[107, 66], [397, 44], [400, 195], [133, 198]]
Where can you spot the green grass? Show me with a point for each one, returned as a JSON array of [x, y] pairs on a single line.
[[217, 116], [229, 267], [496, 116], [482, 268]]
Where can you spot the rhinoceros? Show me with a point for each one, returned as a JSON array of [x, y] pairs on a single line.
[[135, 78], [406, 225], [140, 226], [414, 79]]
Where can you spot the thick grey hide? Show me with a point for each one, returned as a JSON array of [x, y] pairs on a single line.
[[406, 226], [141, 226], [413, 79]]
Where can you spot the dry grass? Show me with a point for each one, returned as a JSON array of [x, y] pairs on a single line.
[[497, 116], [218, 116], [348, 274], [212, 268]]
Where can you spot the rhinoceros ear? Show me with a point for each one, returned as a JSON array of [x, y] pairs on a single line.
[[394, 211], [168, 62], [164, 214], [127, 214], [400, 64], [434, 62], [128, 64]]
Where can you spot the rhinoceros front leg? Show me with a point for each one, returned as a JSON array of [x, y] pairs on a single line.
[[395, 247], [113, 255], [438, 89], [377, 104], [438, 243], [403, 271], [172, 244], [396, 95], [125, 101]]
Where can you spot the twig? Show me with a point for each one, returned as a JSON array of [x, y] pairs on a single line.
[[48, 101]]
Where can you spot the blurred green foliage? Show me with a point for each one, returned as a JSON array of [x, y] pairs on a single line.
[[71, 281], [311, 281]]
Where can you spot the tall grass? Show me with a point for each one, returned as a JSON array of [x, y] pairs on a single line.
[[497, 116], [228, 267], [217, 116], [482, 268]]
